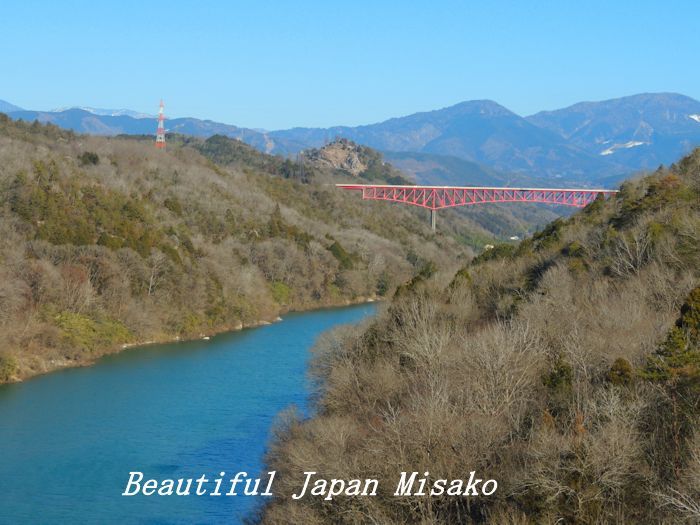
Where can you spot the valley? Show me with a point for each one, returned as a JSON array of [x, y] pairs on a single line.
[[322, 263], [107, 242]]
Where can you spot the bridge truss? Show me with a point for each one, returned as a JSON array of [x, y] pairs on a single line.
[[438, 197]]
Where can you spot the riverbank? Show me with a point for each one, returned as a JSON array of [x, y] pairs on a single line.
[[53, 365], [70, 439], [98, 255]]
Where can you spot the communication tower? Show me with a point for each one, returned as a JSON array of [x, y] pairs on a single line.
[[160, 132]]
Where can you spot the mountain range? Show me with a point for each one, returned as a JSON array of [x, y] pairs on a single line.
[[640, 131], [475, 142], [107, 112]]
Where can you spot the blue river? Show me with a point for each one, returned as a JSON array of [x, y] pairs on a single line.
[[69, 439]]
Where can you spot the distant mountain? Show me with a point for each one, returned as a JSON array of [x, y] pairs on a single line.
[[107, 112], [84, 121], [207, 128], [480, 131], [6, 107], [474, 142], [428, 168], [639, 132]]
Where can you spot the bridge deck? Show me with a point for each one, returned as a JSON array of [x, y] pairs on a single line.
[[438, 197], [430, 187]]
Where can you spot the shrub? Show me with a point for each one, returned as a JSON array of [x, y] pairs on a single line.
[[462, 277], [574, 249], [382, 283], [678, 357], [8, 367], [559, 383], [82, 332], [621, 372], [343, 257], [89, 158], [500, 251], [281, 293], [173, 204], [676, 367]]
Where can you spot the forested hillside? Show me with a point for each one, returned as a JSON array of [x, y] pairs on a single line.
[[106, 242], [567, 368]]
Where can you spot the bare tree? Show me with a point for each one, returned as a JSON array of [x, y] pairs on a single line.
[[156, 265], [631, 251]]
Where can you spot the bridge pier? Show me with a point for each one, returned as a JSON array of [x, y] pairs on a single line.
[[433, 217]]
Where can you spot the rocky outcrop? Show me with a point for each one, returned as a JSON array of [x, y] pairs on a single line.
[[341, 154]]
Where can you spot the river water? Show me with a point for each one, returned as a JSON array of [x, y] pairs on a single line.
[[69, 439]]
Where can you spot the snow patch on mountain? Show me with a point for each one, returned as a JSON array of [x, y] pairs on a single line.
[[626, 145], [106, 112]]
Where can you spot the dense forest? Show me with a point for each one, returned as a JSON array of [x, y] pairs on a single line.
[[110, 242], [566, 367]]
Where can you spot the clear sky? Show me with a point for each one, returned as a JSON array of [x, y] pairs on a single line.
[[275, 65]]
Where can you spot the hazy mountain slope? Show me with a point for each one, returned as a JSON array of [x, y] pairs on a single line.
[[640, 131], [428, 168], [6, 107]]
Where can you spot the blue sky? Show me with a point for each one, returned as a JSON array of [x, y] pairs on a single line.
[[280, 64]]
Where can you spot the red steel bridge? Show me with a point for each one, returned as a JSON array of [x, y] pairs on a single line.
[[435, 198]]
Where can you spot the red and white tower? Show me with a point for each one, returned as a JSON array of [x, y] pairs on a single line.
[[160, 132]]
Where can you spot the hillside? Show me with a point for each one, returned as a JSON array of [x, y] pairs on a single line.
[[106, 242], [567, 368]]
